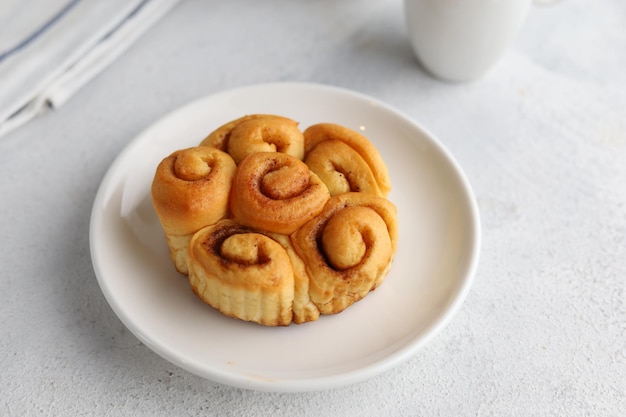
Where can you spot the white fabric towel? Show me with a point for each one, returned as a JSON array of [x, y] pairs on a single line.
[[51, 48]]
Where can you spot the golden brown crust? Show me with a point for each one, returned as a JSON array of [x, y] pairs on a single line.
[[345, 160], [242, 273], [276, 192], [347, 249], [249, 216], [219, 137], [341, 168], [190, 190], [258, 133]]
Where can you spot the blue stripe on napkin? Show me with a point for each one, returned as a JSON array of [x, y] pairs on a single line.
[[39, 31]]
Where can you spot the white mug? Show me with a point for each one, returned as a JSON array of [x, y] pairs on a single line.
[[460, 40]]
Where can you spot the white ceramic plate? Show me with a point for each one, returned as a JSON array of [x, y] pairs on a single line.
[[437, 251]]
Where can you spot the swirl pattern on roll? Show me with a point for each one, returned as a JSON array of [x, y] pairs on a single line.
[[242, 273], [345, 160], [347, 249], [258, 133], [190, 190], [274, 225], [276, 192]]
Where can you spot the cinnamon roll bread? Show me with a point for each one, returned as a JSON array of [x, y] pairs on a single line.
[[345, 160], [258, 133], [242, 273], [347, 249], [276, 192], [190, 190], [277, 226]]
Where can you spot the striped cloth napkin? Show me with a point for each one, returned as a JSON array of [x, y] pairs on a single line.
[[50, 48]]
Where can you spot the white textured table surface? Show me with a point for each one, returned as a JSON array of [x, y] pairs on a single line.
[[542, 139]]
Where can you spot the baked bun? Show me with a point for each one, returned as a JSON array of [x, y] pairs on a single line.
[[258, 133], [277, 226], [347, 249], [190, 190], [242, 273], [345, 160], [276, 192]]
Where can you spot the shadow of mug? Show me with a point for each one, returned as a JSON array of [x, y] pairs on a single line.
[[460, 40]]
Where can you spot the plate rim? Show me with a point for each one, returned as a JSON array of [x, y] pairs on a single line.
[[398, 356]]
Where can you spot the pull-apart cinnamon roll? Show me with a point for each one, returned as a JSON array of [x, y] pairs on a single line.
[[276, 192], [190, 190], [345, 160], [277, 226], [242, 273], [258, 133], [347, 249]]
